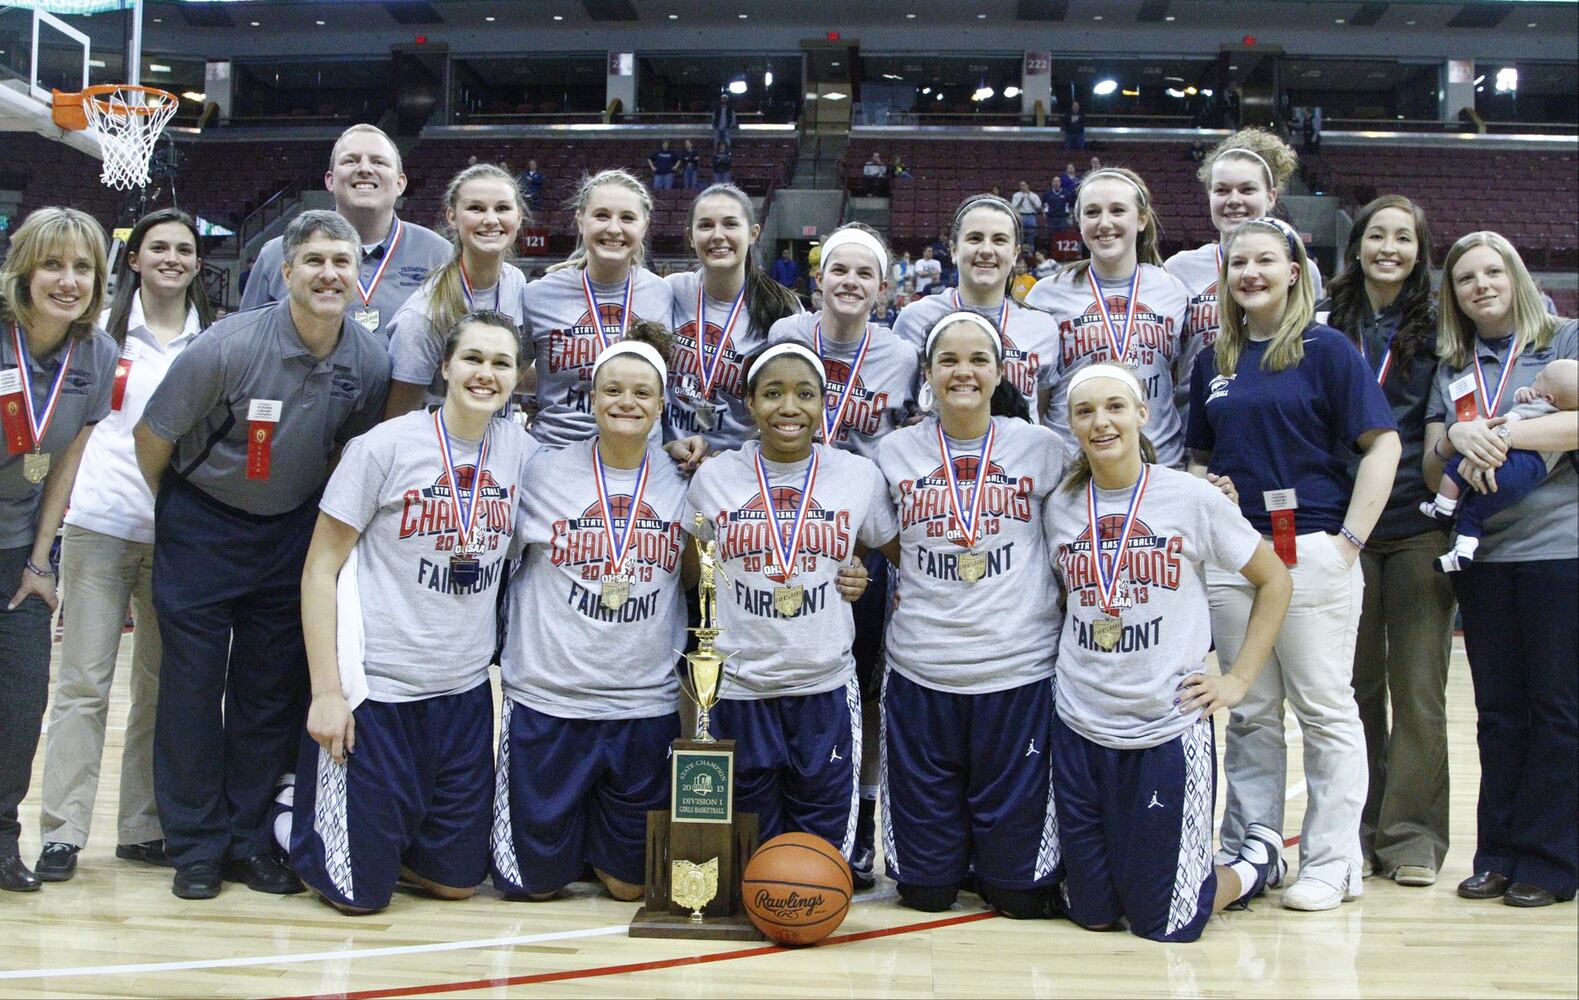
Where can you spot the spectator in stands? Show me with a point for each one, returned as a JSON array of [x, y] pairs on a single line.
[[1068, 183], [785, 271], [942, 251], [662, 162], [723, 163], [1053, 205], [897, 169], [690, 166], [1029, 206], [366, 178], [899, 272], [531, 182], [1095, 165], [928, 271], [1042, 266], [725, 121], [1075, 127], [1023, 280], [874, 176]]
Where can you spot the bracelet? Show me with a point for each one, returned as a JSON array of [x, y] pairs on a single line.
[[1354, 539], [43, 571]]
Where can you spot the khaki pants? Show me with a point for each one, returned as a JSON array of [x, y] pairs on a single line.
[[98, 575], [1400, 683]]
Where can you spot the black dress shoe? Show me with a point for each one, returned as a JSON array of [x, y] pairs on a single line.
[[1484, 885], [149, 852], [1525, 894], [197, 880], [262, 873], [57, 862], [15, 877]]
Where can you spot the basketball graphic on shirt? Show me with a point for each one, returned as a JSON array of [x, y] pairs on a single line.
[[864, 411], [1085, 337], [1150, 559], [926, 500], [583, 540], [579, 346], [430, 511], [745, 532]]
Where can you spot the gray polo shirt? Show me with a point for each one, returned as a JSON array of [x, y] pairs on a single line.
[[1545, 524], [84, 400], [205, 406], [417, 252]]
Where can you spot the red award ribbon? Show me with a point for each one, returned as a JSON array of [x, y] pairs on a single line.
[[1281, 505], [786, 549], [1488, 402], [1003, 314], [262, 415], [464, 511], [1107, 583], [123, 371], [471, 293], [839, 403], [619, 542], [12, 418], [710, 370], [37, 424], [625, 309], [366, 289], [1118, 347], [965, 534]]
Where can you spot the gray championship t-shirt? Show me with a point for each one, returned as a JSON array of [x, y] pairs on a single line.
[[416, 346], [1124, 699], [882, 393], [410, 250], [84, 399], [808, 652], [1001, 631], [1156, 344], [1545, 524], [566, 343], [425, 634], [253, 363], [566, 654], [1030, 338], [731, 423]]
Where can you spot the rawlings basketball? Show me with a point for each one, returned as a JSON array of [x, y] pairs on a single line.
[[797, 888]]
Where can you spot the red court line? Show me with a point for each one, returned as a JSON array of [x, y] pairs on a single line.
[[668, 963]]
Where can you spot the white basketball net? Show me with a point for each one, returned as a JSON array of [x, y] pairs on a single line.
[[128, 124]]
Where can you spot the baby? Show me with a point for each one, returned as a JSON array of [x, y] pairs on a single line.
[[1556, 387]]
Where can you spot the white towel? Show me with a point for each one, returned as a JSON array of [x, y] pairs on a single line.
[[350, 641]]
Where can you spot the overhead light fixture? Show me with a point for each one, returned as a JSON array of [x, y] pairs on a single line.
[[1174, 92], [1011, 91], [158, 68], [1191, 91], [674, 17], [96, 63], [1337, 20], [1104, 87], [1204, 93], [194, 96], [1096, 17], [896, 76], [737, 87], [910, 17], [742, 16], [983, 94], [254, 23], [940, 95], [981, 17], [834, 95], [1507, 80], [490, 19], [1170, 17], [924, 90], [767, 79], [559, 17], [319, 23], [1480, 79], [1131, 93]]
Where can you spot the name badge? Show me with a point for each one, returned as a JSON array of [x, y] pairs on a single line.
[[262, 415], [1462, 392], [10, 382], [267, 410], [1281, 504]]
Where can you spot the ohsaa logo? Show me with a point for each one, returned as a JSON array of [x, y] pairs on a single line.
[[927, 500], [429, 510], [578, 346], [580, 541]]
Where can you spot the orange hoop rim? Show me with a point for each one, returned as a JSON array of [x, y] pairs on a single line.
[[67, 111]]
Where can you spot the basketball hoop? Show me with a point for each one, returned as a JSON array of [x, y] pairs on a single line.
[[125, 118]]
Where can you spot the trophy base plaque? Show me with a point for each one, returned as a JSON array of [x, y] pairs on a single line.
[[719, 845]]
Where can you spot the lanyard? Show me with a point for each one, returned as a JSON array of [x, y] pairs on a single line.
[[619, 542], [597, 317], [465, 511], [1118, 347], [787, 549], [831, 425], [968, 525], [1107, 583], [37, 424], [710, 370], [366, 289]]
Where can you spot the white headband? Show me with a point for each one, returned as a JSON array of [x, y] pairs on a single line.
[[793, 350], [860, 238], [1140, 195], [646, 352], [1124, 375], [965, 316], [1271, 178]]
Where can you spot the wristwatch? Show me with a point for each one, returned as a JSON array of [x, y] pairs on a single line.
[[1505, 433]]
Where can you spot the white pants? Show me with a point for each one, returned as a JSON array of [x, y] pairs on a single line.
[[98, 575], [1312, 665]]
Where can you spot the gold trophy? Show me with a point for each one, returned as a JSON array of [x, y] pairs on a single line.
[[698, 847]]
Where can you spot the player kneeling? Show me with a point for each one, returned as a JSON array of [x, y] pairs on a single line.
[[1132, 744], [415, 525]]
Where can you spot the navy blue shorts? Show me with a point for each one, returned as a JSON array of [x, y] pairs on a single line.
[[573, 792], [966, 784], [1136, 827], [871, 619], [415, 793], [798, 762]]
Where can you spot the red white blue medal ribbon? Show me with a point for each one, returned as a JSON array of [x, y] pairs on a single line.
[[831, 425], [1003, 313], [968, 525], [597, 318], [1488, 402], [619, 542], [38, 425], [464, 510], [786, 549], [710, 370], [367, 288], [471, 293], [1107, 583], [1387, 359], [1118, 347]]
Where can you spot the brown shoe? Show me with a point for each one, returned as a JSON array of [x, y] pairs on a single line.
[[1484, 885]]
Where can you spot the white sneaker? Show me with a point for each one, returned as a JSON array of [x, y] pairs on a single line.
[[1311, 893]]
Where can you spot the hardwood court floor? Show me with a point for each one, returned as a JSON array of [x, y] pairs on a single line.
[[117, 931]]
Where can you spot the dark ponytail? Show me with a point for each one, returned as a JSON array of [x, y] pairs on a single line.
[[1007, 401]]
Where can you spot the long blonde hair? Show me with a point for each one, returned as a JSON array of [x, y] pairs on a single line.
[[1533, 326], [1287, 347], [447, 298], [1147, 241], [578, 204], [48, 231]]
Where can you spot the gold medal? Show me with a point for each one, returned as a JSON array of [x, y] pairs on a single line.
[[1107, 632], [972, 566], [368, 318], [614, 591], [789, 599], [35, 466]]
